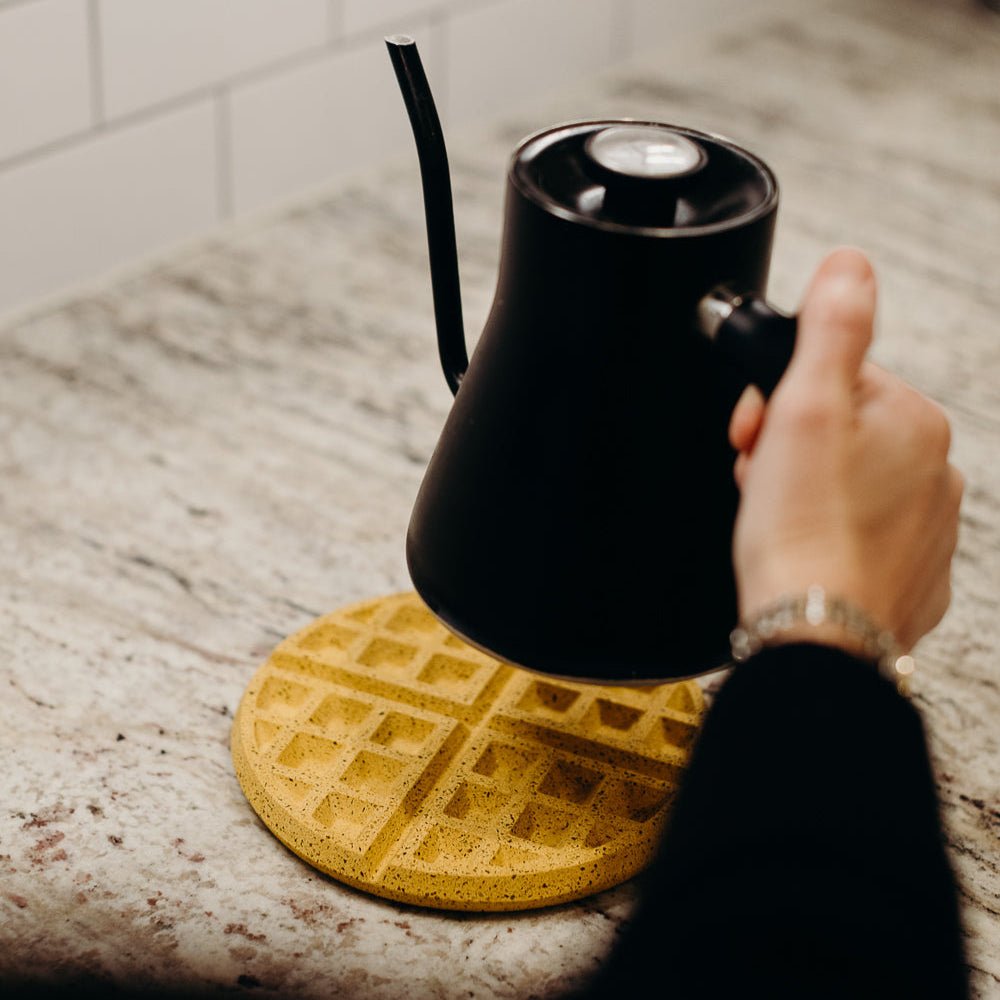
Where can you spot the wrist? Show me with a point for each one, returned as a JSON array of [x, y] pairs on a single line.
[[815, 616], [824, 634]]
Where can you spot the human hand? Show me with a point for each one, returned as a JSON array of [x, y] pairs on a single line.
[[844, 473]]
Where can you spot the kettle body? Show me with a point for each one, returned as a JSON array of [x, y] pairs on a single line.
[[576, 516]]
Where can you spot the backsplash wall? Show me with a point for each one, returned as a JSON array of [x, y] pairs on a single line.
[[127, 126]]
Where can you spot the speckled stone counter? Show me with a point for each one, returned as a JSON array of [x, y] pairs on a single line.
[[199, 459]]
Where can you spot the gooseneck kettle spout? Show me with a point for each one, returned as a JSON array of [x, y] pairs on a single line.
[[437, 205]]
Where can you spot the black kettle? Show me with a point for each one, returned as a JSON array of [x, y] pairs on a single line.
[[576, 516]]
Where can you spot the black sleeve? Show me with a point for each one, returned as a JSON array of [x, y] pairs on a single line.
[[804, 854]]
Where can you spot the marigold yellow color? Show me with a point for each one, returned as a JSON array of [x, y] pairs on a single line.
[[390, 754]]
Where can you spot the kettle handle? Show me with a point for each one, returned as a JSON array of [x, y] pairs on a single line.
[[752, 335]]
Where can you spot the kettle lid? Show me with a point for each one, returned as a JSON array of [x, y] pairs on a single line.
[[643, 176]]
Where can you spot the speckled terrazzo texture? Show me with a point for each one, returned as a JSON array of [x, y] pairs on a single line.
[[391, 755], [201, 460]]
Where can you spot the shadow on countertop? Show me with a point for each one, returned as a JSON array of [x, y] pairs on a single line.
[[99, 989]]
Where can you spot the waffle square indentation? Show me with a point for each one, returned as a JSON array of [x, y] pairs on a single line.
[[281, 697], [404, 733], [264, 733], [344, 814], [634, 801], [504, 763], [607, 714], [306, 750], [364, 614], [543, 698], [475, 802], [681, 700], [328, 636], [372, 773], [672, 732], [387, 653], [543, 825], [570, 781], [412, 618], [448, 672], [602, 832], [340, 716]]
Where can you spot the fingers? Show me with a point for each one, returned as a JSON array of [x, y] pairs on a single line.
[[746, 419], [835, 321], [931, 587], [909, 414], [834, 333], [933, 606]]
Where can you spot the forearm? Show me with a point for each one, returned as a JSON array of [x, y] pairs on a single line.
[[805, 842]]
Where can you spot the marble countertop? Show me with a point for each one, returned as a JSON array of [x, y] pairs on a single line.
[[200, 458]]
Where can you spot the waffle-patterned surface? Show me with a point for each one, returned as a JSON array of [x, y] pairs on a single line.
[[388, 753]]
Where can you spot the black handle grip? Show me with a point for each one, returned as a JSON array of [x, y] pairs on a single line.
[[759, 340]]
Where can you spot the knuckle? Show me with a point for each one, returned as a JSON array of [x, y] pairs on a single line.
[[944, 600], [926, 423], [933, 426], [941, 429], [940, 604]]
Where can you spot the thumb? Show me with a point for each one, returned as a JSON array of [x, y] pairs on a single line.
[[836, 318]]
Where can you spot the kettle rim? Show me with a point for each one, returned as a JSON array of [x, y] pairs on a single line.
[[553, 207]]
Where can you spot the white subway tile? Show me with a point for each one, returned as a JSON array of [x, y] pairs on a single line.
[[157, 49], [302, 127], [68, 216], [390, 15], [510, 52], [44, 73]]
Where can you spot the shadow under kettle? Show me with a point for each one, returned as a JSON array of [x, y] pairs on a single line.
[[576, 515]]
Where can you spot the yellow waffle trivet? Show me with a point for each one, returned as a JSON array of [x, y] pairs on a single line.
[[388, 753]]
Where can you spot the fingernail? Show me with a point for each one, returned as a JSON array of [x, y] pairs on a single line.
[[750, 403]]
